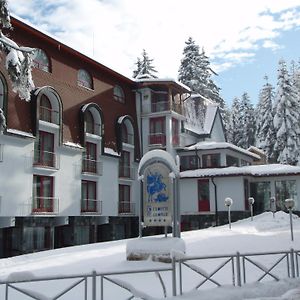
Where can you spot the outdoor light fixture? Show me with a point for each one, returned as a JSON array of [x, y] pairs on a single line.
[[228, 202], [289, 204], [251, 202]]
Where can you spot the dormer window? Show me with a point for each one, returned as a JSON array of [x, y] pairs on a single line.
[[41, 60], [119, 94], [84, 79]]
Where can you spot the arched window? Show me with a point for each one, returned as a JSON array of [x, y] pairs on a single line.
[[84, 79], [90, 123], [119, 94], [41, 60], [45, 109]]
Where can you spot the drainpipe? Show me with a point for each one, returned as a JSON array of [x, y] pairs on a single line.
[[216, 202]]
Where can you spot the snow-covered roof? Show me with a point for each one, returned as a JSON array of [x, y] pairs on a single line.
[[210, 145], [256, 171], [19, 132], [72, 145], [209, 118], [255, 149], [165, 80], [111, 152]]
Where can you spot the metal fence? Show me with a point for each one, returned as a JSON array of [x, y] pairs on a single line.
[[238, 270]]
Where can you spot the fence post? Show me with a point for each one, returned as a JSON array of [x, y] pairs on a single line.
[[94, 285], [292, 263], [174, 275], [238, 269], [180, 277], [85, 288], [102, 286], [6, 292]]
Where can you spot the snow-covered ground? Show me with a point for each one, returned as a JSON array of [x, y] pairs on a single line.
[[263, 234]]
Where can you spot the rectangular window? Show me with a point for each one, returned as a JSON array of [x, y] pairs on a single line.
[[189, 162], [124, 165], [211, 160], [232, 161], [175, 132], [157, 131], [203, 195], [90, 159], [44, 150], [124, 199], [88, 196], [43, 200], [159, 101], [285, 189]]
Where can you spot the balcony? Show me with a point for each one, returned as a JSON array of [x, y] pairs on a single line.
[[44, 205], [164, 106], [127, 172], [128, 139], [45, 159], [126, 208], [49, 115], [91, 206], [157, 139], [93, 128], [91, 166]]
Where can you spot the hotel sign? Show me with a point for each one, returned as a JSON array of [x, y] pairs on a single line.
[[158, 195]]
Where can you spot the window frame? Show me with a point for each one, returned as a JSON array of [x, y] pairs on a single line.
[[38, 63], [93, 201], [119, 94], [87, 84]]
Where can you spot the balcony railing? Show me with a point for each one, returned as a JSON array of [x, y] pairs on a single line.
[[45, 205], [49, 115], [128, 139], [1, 153], [45, 159], [91, 166], [91, 206], [127, 172], [162, 107], [157, 139], [126, 207], [93, 128]]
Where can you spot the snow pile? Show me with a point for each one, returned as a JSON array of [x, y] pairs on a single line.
[[158, 249]]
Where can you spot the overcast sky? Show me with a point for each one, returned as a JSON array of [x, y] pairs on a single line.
[[243, 38]]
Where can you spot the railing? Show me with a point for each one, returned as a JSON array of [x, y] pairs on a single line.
[[162, 106], [45, 159], [97, 285], [127, 172], [91, 206], [92, 166], [45, 205], [157, 139], [94, 285], [128, 139], [1, 153], [49, 115], [126, 207], [236, 265], [93, 128]]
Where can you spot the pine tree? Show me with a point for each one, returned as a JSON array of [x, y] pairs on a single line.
[[18, 59], [144, 69], [286, 118], [195, 72], [235, 123], [247, 123], [265, 133]]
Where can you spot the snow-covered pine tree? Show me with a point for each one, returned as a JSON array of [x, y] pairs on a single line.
[[286, 118], [18, 59], [248, 123], [144, 67], [195, 72], [235, 133], [265, 133]]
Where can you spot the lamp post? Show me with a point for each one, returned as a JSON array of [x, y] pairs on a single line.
[[289, 204], [273, 206], [251, 202], [228, 202]]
